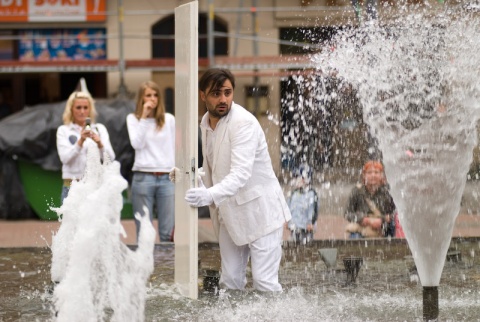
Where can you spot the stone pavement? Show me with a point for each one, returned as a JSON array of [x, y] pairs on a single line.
[[38, 233]]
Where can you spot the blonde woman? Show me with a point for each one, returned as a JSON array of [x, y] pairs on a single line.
[[152, 135], [73, 135]]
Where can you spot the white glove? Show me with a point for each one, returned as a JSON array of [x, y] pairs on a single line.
[[200, 171], [198, 197], [171, 174]]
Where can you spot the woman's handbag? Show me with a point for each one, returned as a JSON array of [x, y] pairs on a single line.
[[367, 231], [399, 233]]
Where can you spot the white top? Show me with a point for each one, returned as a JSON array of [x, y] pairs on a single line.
[[154, 149], [211, 138], [73, 156]]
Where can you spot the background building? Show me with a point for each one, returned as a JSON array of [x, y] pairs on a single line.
[[46, 46]]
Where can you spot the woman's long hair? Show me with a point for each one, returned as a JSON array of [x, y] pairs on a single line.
[[159, 111], [67, 113]]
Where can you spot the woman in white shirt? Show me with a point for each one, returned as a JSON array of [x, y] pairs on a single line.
[[75, 136], [152, 135]]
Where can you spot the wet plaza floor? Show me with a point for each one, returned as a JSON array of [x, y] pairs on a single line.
[[386, 288]]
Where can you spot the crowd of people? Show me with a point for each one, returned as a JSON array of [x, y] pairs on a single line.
[[247, 205]]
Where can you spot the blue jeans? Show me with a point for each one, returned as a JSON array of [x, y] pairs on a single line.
[[64, 193], [156, 193]]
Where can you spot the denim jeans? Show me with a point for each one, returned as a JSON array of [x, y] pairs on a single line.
[[355, 235], [156, 193], [64, 193]]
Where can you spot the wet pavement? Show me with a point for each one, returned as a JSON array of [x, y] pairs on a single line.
[[386, 288]]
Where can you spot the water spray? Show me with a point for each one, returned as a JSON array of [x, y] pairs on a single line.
[[417, 81]]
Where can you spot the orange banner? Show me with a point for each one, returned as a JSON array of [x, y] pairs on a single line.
[[52, 10], [13, 10], [96, 10]]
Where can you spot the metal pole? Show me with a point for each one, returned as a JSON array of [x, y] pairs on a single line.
[[210, 31], [256, 85], [358, 10], [237, 29], [122, 89]]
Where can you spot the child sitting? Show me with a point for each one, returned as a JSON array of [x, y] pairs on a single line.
[[303, 204], [370, 210]]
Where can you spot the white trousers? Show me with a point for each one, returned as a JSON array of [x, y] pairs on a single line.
[[265, 253]]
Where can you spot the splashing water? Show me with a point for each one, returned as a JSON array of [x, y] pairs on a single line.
[[98, 276], [417, 81]]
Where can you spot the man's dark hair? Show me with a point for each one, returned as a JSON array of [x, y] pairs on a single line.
[[215, 77]]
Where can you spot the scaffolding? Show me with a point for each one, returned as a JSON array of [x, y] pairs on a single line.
[[121, 64], [252, 65]]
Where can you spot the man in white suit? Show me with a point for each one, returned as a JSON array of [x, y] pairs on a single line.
[[247, 205]]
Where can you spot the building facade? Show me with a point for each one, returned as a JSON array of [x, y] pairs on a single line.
[[46, 46]]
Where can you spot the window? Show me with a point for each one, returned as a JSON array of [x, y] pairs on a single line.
[[163, 40], [6, 45], [257, 99], [302, 38]]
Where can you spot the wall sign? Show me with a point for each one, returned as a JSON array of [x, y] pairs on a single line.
[[62, 44], [52, 10]]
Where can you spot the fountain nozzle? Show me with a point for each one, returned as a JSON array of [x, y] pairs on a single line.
[[329, 257], [352, 267], [430, 303], [211, 281]]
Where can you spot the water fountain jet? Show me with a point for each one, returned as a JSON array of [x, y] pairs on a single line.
[[416, 79], [97, 276]]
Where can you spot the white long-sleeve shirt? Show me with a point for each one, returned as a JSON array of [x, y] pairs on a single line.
[[73, 156], [154, 149]]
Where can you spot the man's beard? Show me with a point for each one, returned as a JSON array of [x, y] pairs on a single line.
[[215, 113]]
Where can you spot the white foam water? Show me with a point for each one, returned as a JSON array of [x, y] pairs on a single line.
[[417, 80], [98, 276]]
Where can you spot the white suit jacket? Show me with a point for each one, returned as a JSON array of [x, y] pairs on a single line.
[[247, 196]]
